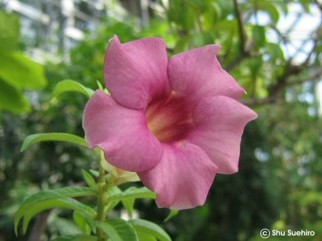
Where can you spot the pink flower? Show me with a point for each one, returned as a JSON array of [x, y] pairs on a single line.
[[176, 122]]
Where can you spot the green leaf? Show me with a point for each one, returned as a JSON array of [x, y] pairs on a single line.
[[145, 237], [133, 192], [59, 193], [129, 205], [306, 5], [82, 222], [172, 214], [12, 99], [52, 198], [17, 71], [112, 191], [99, 85], [118, 230], [268, 7], [275, 52], [258, 36], [306, 198], [184, 19], [115, 195], [81, 237], [31, 208], [150, 228], [9, 31], [21, 72], [71, 85], [52, 137], [66, 225], [89, 179]]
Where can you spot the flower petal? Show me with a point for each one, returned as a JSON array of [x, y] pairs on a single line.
[[136, 71], [219, 125], [197, 73], [121, 132], [182, 178]]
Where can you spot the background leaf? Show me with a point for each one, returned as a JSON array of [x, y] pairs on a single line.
[[12, 99], [21, 72], [76, 238], [9, 32], [17, 71]]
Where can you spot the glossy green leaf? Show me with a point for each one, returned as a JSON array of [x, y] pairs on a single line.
[[71, 86], [118, 230], [81, 237], [32, 139], [133, 192], [150, 228]]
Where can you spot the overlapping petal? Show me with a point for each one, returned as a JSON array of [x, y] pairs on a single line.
[[182, 178], [197, 73], [121, 132], [135, 72], [219, 125]]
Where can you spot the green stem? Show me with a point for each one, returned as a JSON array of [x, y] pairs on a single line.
[[101, 203]]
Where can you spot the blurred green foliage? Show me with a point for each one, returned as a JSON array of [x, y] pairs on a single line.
[[17, 71], [279, 185]]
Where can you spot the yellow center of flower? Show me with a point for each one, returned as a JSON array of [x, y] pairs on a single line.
[[168, 118]]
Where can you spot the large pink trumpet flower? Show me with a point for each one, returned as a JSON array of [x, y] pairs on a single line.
[[176, 122]]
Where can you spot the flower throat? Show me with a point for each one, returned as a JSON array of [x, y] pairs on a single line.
[[168, 118]]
